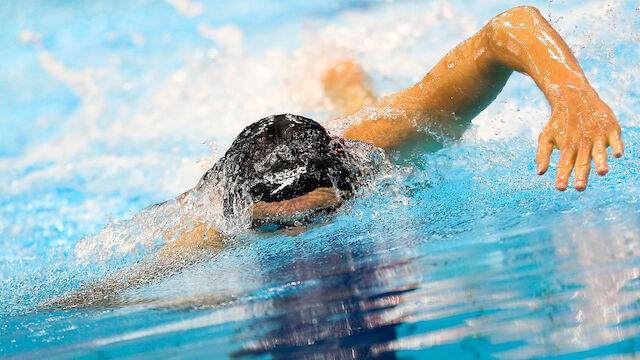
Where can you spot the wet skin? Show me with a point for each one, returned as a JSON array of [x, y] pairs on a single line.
[[347, 86], [296, 208]]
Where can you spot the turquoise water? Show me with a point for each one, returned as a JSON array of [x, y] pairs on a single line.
[[107, 107]]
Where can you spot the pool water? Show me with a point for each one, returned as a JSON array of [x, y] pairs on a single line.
[[107, 107]]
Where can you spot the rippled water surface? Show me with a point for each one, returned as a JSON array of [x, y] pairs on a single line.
[[107, 107]]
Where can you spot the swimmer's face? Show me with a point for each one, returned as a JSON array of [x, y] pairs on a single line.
[[296, 210]]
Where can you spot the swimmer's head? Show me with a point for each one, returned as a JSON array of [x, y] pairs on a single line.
[[281, 158]]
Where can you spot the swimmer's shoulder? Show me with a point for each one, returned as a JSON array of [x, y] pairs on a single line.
[[401, 154]]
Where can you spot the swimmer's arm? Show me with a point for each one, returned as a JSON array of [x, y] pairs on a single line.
[[296, 208], [469, 78], [175, 255], [199, 236], [195, 234], [184, 247]]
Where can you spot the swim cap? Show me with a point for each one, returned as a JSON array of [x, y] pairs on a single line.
[[279, 158]]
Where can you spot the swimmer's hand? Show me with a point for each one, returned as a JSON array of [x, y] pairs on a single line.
[[347, 86], [296, 208], [582, 126]]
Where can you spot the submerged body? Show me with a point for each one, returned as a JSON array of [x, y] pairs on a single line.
[[461, 85]]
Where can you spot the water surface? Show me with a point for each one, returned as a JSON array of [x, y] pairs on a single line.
[[463, 253]]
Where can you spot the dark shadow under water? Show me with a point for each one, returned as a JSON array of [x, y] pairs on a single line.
[[336, 313]]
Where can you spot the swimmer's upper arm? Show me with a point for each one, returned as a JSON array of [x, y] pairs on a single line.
[[456, 89]]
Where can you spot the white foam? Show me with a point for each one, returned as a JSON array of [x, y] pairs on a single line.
[[138, 39], [30, 37], [228, 36], [187, 8]]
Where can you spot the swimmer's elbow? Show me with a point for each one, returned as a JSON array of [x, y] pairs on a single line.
[[523, 16], [523, 10]]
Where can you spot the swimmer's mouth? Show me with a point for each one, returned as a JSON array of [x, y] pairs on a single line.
[[300, 210]]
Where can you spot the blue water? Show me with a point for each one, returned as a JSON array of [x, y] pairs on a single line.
[[107, 107]]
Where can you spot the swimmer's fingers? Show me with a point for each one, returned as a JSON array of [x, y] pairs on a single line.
[[599, 154], [565, 166], [582, 167], [545, 147], [616, 142], [599, 151]]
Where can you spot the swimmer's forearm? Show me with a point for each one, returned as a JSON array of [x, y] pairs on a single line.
[[523, 40], [469, 77], [289, 210]]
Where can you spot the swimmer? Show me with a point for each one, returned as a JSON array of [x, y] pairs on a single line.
[[294, 169], [287, 170]]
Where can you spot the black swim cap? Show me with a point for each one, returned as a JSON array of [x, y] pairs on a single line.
[[279, 158]]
